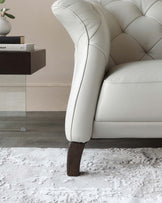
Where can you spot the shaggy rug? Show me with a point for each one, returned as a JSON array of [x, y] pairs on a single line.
[[34, 175]]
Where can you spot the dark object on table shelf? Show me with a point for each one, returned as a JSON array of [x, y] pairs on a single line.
[[22, 63], [12, 39]]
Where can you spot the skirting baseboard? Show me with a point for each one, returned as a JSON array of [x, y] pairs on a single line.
[[48, 85], [35, 85]]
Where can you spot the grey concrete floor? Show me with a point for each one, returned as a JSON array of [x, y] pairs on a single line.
[[43, 129], [46, 130]]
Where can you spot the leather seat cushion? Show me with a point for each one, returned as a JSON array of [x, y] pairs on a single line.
[[132, 93]]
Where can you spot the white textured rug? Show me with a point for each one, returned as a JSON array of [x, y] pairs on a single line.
[[33, 175]]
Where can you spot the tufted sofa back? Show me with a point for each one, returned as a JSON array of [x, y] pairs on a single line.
[[136, 29]]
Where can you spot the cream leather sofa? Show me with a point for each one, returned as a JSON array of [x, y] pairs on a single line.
[[117, 83]]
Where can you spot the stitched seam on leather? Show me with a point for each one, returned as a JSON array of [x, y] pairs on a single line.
[[60, 4], [130, 37], [135, 60], [97, 47], [86, 31], [150, 7], [150, 56], [155, 19], [131, 22], [105, 10], [91, 5], [140, 10], [125, 83], [126, 28], [83, 71], [127, 1], [75, 14], [96, 31], [155, 44], [98, 121], [136, 41], [80, 37], [119, 0], [98, 26], [116, 20], [113, 59], [116, 36], [67, 8], [142, 57], [82, 75], [158, 40], [148, 59], [108, 3]]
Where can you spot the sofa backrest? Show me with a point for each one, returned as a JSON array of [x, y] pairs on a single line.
[[136, 29]]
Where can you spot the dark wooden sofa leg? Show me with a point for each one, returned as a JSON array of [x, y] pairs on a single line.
[[74, 158]]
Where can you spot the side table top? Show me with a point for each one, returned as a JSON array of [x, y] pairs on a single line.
[[21, 63]]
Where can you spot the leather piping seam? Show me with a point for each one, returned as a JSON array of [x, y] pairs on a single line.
[[131, 36], [155, 19], [150, 7], [99, 24], [107, 4], [117, 36], [147, 55], [125, 83], [86, 31], [154, 45], [97, 47], [85, 27], [131, 22], [115, 62], [127, 121], [62, 7]]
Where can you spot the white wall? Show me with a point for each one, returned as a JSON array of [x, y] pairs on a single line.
[[48, 89]]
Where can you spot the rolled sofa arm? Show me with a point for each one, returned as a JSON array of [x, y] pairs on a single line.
[[87, 27]]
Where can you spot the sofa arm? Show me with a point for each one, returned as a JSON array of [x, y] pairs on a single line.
[[88, 29]]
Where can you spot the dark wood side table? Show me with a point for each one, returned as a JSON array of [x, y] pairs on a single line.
[[14, 67]]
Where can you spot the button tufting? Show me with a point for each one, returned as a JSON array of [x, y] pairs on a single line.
[[141, 25]]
